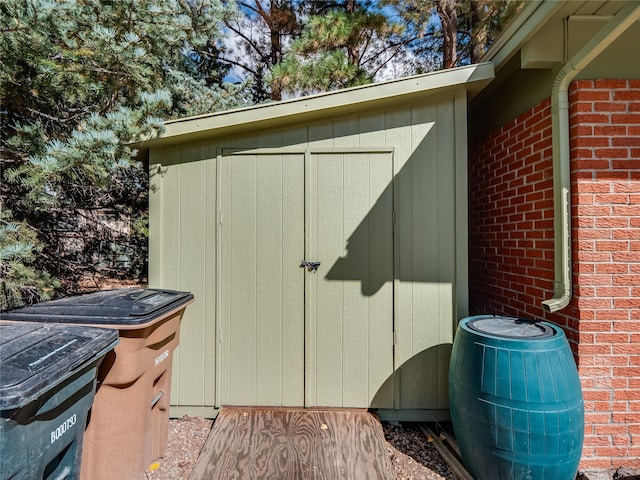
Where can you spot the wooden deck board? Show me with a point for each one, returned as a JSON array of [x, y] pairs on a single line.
[[295, 444]]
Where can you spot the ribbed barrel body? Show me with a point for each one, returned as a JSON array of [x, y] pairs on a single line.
[[516, 402]]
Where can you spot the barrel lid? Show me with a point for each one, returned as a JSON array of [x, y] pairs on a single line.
[[124, 306], [511, 327], [35, 357]]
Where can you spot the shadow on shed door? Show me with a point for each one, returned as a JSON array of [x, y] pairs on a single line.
[[291, 337]]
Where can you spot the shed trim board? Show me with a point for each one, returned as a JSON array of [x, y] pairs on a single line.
[[348, 101], [425, 139]]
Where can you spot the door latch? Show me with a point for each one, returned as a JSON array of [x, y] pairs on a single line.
[[311, 266]]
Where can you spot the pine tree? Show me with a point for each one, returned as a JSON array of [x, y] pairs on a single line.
[[79, 81], [21, 282], [448, 33], [343, 45], [259, 37]]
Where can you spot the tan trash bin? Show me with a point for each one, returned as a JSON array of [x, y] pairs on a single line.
[[128, 424]]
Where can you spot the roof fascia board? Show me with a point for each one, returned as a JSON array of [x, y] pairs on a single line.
[[526, 23], [318, 106]]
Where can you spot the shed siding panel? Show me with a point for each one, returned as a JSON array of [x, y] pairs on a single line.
[[262, 232], [425, 190], [194, 190], [328, 242], [426, 263], [372, 129], [320, 135], [207, 294], [277, 230], [183, 206], [165, 180], [418, 389], [346, 132], [293, 279], [241, 270], [270, 139], [295, 136], [351, 321], [380, 230], [398, 133]]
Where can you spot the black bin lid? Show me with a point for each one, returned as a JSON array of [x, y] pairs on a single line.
[[511, 327], [35, 357], [124, 306]]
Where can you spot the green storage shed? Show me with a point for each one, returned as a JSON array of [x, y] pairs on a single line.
[[367, 184]]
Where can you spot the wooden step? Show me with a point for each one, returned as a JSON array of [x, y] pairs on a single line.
[[296, 444]]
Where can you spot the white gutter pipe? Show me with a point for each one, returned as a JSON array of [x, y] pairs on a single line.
[[629, 14]]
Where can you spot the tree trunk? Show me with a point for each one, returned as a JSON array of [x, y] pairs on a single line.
[[353, 50], [479, 28], [448, 14]]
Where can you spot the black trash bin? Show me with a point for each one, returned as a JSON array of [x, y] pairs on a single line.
[[129, 423], [47, 387]]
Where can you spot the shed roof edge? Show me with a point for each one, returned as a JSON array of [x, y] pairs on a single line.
[[473, 78]]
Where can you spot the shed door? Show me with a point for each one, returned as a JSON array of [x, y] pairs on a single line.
[[291, 337]]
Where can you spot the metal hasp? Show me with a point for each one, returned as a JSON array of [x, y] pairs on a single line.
[[311, 266]]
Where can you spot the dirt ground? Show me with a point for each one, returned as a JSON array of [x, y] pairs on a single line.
[[412, 456]]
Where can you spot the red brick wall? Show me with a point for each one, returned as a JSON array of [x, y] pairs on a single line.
[[511, 248]]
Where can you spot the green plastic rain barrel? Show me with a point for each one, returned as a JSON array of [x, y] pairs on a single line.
[[515, 398]]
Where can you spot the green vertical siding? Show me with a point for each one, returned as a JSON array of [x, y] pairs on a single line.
[[182, 257], [428, 284], [262, 325], [426, 257], [350, 230]]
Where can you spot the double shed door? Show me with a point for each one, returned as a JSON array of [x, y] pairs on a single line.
[[289, 336]]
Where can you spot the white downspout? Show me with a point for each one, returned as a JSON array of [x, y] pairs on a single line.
[[561, 153]]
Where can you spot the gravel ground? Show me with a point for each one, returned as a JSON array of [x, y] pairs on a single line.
[[412, 456], [187, 436]]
